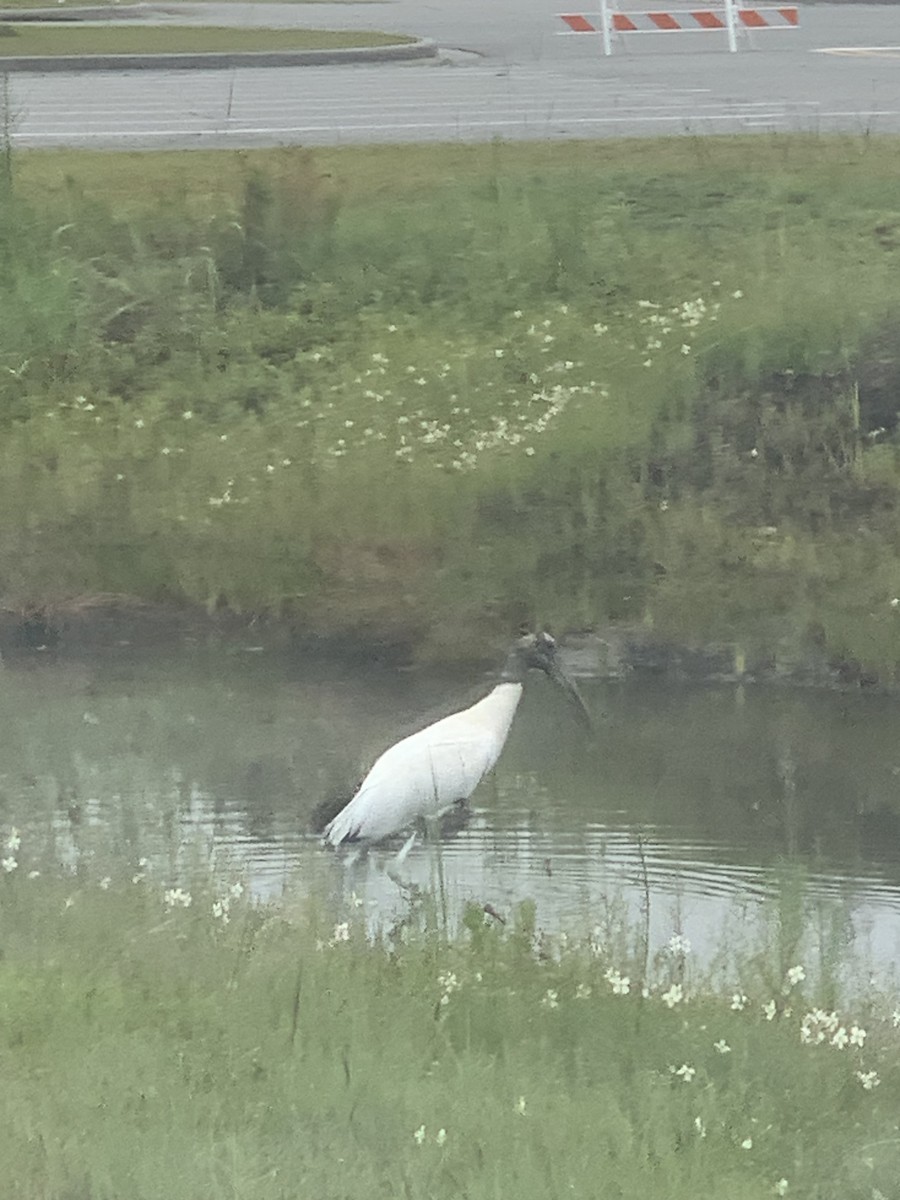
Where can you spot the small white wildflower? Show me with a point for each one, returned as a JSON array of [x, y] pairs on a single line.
[[721, 1047], [737, 295], [236, 890], [679, 944], [551, 998], [13, 841], [811, 1032], [895, 1018], [685, 348], [498, 354], [673, 996], [448, 982], [220, 910], [187, 416], [685, 1072], [795, 975], [738, 1002], [419, 1135], [104, 883], [8, 864], [857, 1036], [747, 1144], [341, 933], [517, 313], [166, 450], [33, 875], [869, 1079], [520, 1106], [177, 897], [840, 1038], [620, 984], [441, 1136], [700, 1127], [781, 1187], [582, 991], [769, 1010]]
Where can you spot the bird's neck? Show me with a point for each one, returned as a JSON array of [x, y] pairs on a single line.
[[498, 708]]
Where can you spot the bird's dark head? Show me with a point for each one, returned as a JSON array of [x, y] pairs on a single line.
[[538, 651]]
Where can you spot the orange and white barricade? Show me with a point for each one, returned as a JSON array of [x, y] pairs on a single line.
[[720, 15]]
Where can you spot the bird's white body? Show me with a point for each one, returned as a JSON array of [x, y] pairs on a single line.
[[430, 771]]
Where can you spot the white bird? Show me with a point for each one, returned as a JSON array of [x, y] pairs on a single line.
[[439, 767]]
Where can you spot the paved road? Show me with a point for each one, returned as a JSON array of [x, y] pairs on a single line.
[[502, 72]]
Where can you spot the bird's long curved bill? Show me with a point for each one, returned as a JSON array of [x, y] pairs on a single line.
[[573, 695]]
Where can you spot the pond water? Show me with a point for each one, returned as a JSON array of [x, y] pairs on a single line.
[[696, 799]]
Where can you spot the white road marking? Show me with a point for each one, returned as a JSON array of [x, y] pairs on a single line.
[[388, 128], [861, 51]]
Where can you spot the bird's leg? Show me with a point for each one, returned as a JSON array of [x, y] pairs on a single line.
[[400, 858], [405, 848], [358, 854], [432, 829], [439, 890]]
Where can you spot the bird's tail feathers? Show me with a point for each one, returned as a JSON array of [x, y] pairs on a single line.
[[341, 829]]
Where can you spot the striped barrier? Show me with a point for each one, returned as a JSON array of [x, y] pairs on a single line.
[[727, 18]]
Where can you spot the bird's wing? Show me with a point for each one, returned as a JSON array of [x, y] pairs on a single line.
[[420, 776]]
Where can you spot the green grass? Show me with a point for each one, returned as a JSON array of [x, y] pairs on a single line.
[[27, 39], [400, 393], [163, 1052]]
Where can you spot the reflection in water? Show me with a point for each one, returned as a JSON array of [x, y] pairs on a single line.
[[695, 796]]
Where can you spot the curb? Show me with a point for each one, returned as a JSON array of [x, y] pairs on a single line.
[[423, 48]]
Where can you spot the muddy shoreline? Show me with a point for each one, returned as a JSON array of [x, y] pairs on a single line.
[[107, 626]]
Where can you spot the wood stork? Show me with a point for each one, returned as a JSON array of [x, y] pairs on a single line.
[[429, 772]]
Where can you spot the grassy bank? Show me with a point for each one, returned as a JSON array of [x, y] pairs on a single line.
[[172, 1040], [642, 381], [31, 39]]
